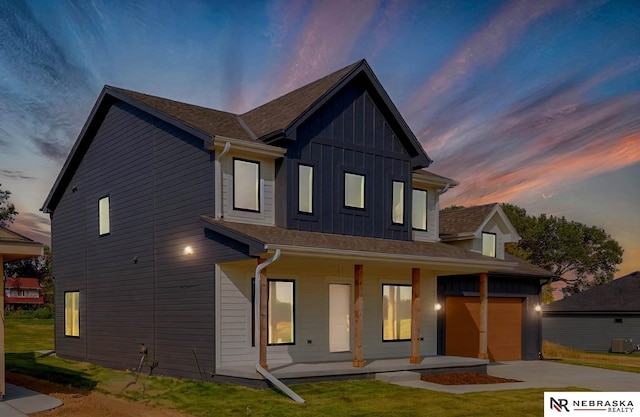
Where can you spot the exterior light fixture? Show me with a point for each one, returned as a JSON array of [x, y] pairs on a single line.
[[538, 307], [438, 307], [188, 250]]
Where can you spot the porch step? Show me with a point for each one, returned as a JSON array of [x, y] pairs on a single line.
[[398, 376]]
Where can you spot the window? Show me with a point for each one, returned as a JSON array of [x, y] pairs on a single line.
[[305, 188], [72, 314], [489, 244], [280, 313], [339, 317], [396, 312], [397, 216], [419, 212], [353, 190], [103, 214], [246, 180]]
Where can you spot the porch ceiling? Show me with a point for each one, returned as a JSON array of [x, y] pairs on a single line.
[[432, 255]]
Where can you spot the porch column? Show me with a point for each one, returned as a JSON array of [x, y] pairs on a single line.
[[358, 307], [2, 382], [415, 316], [264, 294], [484, 316]]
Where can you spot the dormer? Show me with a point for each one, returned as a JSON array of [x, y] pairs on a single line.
[[482, 229], [245, 180], [425, 197]]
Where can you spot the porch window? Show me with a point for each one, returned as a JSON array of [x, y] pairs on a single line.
[[489, 244], [396, 312], [353, 190], [103, 215], [419, 215], [398, 203], [246, 180], [305, 188], [72, 313], [280, 313]]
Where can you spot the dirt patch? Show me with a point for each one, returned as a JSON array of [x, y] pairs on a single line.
[[83, 403], [465, 378]]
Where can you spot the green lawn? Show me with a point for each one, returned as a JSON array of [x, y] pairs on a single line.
[[350, 398]]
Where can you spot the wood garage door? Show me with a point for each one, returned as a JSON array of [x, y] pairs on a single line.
[[462, 319]]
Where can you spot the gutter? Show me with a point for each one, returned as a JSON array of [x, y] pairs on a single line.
[[275, 381], [444, 190]]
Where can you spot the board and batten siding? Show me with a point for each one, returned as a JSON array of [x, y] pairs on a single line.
[[347, 134], [590, 331], [136, 284], [312, 279]]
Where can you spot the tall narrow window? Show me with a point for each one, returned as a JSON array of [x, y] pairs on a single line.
[[489, 244], [103, 214], [339, 317], [353, 190], [419, 212], [246, 181], [280, 313], [305, 189], [72, 313], [398, 203], [396, 312]]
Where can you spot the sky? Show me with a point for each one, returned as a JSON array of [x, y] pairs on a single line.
[[534, 103]]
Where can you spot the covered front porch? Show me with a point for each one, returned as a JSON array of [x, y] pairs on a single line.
[[302, 372]]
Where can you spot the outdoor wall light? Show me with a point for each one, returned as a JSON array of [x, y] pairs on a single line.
[[538, 307], [188, 250], [438, 307]]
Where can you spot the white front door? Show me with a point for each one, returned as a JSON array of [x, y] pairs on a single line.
[[339, 308]]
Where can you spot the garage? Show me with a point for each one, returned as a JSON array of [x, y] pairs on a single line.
[[462, 319]]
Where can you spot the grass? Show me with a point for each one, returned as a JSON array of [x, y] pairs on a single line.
[[614, 361], [345, 398]]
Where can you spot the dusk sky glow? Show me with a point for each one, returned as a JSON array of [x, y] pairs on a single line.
[[536, 103]]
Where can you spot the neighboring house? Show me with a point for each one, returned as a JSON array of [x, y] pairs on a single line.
[[13, 247], [164, 212], [22, 293], [513, 319], [591, 319]]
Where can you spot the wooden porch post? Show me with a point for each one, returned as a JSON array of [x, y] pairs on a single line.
[[484, 316], [415, 316], [264, 295], [358, 306]]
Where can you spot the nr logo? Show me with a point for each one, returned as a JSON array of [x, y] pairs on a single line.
[[559, 405]]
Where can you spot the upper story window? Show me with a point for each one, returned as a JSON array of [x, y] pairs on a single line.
[[353, 190], [305, 188], [489, 244], [246, 181], [103, 215], [419, 212], [397, 215]]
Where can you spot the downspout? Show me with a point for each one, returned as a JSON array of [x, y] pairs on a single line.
[[218, 167], [275, 381], [444, 190]]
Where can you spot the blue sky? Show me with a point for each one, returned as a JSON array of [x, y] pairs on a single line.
[[536, 103]]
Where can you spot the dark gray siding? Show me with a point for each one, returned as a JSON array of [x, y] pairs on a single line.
[[349, 133], [499, 286], [590, 331], [136, 285]]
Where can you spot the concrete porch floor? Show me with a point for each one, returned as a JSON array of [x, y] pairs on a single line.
[[326, 371]]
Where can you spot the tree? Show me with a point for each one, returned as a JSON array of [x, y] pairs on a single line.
[[579, 255], [7, 210]]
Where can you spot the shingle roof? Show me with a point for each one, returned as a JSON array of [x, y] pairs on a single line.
[[281, 112], [464, 220], [525, 268], [619, 295], [278, 236], [210, 121], [21, 282]]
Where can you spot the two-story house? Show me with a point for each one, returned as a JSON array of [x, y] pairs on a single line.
[[165, 215], [22, 293]]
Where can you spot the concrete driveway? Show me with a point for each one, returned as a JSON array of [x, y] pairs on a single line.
[[534, 374]]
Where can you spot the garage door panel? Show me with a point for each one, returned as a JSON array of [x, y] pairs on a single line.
[[462, 319]]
